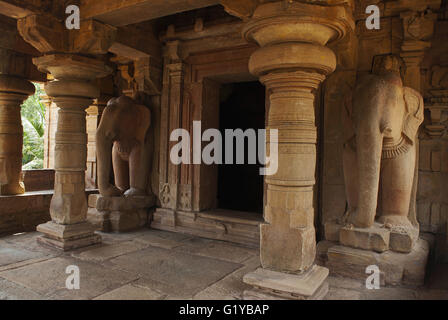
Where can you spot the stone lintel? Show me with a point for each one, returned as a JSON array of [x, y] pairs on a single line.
[[306, 285], [68, 237]]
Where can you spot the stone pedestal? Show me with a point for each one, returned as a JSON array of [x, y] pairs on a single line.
[[119, 214], [395, 268], [13, 91], [292, 62], [400, 255]]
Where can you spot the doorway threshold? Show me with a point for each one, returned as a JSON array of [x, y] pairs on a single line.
[[218, 224]]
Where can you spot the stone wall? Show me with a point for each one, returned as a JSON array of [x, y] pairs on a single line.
[[22, 213]]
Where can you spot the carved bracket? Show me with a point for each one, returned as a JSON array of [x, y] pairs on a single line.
[[47, 34]]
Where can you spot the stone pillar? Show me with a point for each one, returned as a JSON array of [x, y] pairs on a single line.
[[94, 113], [45, 99], [71, 57], [13, 92], [72, 91], [292, 62]]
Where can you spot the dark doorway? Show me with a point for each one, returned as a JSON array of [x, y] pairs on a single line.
[[240, 186]]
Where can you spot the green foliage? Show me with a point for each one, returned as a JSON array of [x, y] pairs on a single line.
[[33, 121]]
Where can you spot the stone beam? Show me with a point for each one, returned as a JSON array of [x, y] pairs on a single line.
[[10, 38], [134, 44], [16, 8], [121, 13]]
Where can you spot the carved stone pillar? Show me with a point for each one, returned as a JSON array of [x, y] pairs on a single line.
[[292, 62], [72, 91], [13, 91], [68, 57]]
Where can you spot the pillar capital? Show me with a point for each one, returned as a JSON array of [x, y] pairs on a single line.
[[281, 21], [48, 34], [72, 66]]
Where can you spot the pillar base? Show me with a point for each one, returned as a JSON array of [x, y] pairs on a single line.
[[273, 285], [68, 237]]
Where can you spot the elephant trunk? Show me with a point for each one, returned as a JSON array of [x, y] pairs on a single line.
[[369, 140]]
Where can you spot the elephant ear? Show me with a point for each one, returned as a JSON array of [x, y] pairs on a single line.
[[414, 113]]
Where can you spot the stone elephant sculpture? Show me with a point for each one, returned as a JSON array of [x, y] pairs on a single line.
[[121, 140], [381, 119]]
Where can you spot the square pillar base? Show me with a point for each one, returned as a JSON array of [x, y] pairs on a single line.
[[274, 285], [67, 237]]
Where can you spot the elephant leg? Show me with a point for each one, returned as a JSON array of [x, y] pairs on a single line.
[[350, 164], [121, 170], [397, 175], [135, 172]]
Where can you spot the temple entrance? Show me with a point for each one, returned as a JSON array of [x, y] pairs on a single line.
[[240, 186]]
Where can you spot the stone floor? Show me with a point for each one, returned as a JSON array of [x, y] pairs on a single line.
[[152, 264]]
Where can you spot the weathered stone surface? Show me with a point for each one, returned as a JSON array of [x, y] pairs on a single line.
[[396, 268], [321, 251], [299, 285], [222, 251], [342, 294], [48, 278], [375, 238], [108, 251], [23, 213], [210, 224], [68, 237], [119, 214], [332, 231], [13, 291], [131, 292], [11, 255], [155, 239], [263, 294], [403, 239], [171, 269]]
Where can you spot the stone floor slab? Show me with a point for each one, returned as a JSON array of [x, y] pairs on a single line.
[[13, 291], [156, 240], [10, 254], [108, 251], [131, 292], [342, 294], [48, 278], [189, 273], [225, 251]]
